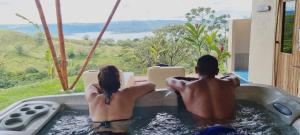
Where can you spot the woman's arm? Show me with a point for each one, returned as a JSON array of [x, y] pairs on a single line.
[[140, 90], [92, 91]]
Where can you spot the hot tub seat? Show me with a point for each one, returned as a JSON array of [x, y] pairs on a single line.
[[27, 117]]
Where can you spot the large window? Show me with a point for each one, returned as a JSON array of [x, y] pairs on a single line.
[[289, 8]]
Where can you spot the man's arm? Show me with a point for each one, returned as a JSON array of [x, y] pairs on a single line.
[[140, 90], [186, 78], [232, 78], [92, 91], [176, 84]]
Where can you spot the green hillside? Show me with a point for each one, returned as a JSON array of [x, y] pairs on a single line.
[[33, 55], [14, 63]]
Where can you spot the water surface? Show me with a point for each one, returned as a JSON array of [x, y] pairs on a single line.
[[250, 118]]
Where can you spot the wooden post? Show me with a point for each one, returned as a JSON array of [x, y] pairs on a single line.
[[96, 44], [61, 68], [50, 42], [63, 64]]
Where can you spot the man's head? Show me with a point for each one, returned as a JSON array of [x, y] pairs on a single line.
[[207, 65], [109, 79]]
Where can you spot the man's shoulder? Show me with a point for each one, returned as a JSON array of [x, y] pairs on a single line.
[[194, 83], [229, 82]]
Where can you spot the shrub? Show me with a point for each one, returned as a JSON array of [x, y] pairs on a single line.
[[82, 53], [92, 67], [6, 80], [31, 70], [71, 54], [74, 71], [19, 50]]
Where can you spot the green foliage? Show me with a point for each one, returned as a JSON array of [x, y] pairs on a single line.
[[206, 42], [3, 60], [30, 70], [209, 30], [287, 44], [5, 81], [165, 47], [172, 45], [41, 88], [39, 38], [195, 36], [71, 54], [82, 53], [174, 48], [19, 50], [10, 79], [86, 37], [108, 42], [212, 21], [50, 64], [74, 70], [208, 16]]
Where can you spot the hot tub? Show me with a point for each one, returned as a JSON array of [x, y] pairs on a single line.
[[155, 112]]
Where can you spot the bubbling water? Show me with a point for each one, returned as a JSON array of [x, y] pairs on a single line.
[[251, 118]]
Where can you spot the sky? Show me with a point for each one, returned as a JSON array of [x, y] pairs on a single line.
[[93, 11]]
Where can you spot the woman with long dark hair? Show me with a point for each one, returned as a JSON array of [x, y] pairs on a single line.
[[110, 107]]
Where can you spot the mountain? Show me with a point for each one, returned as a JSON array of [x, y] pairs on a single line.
[[118, 27]]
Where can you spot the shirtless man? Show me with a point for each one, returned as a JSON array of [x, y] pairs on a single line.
[[110, 107], [207, 97]]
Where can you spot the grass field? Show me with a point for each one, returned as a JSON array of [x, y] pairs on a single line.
[[46, 87], [33, 55]]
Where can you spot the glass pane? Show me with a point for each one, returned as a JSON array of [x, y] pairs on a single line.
[[288, 26]]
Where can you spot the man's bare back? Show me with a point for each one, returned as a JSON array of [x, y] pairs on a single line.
[[207, 97], [211, 99]]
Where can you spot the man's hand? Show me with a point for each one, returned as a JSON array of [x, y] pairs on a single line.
[[233, 78], [175, 84], [187, 79]]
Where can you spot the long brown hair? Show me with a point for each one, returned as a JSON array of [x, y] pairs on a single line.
[[109, 81]]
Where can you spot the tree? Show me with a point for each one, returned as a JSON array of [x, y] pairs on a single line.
[[195, 36], [71, 54], [206, 42], [108, 42], [175, 49], [165, 47], [208, 17], [86, 37], [31, 70]]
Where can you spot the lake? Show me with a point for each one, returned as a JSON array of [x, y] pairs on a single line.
[[110, 35]]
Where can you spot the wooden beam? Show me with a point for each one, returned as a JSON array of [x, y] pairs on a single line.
[[96, 44], [50, 42], [63, 64]]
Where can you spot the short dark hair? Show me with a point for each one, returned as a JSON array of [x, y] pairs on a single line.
[[109, 81], [207, 65]]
